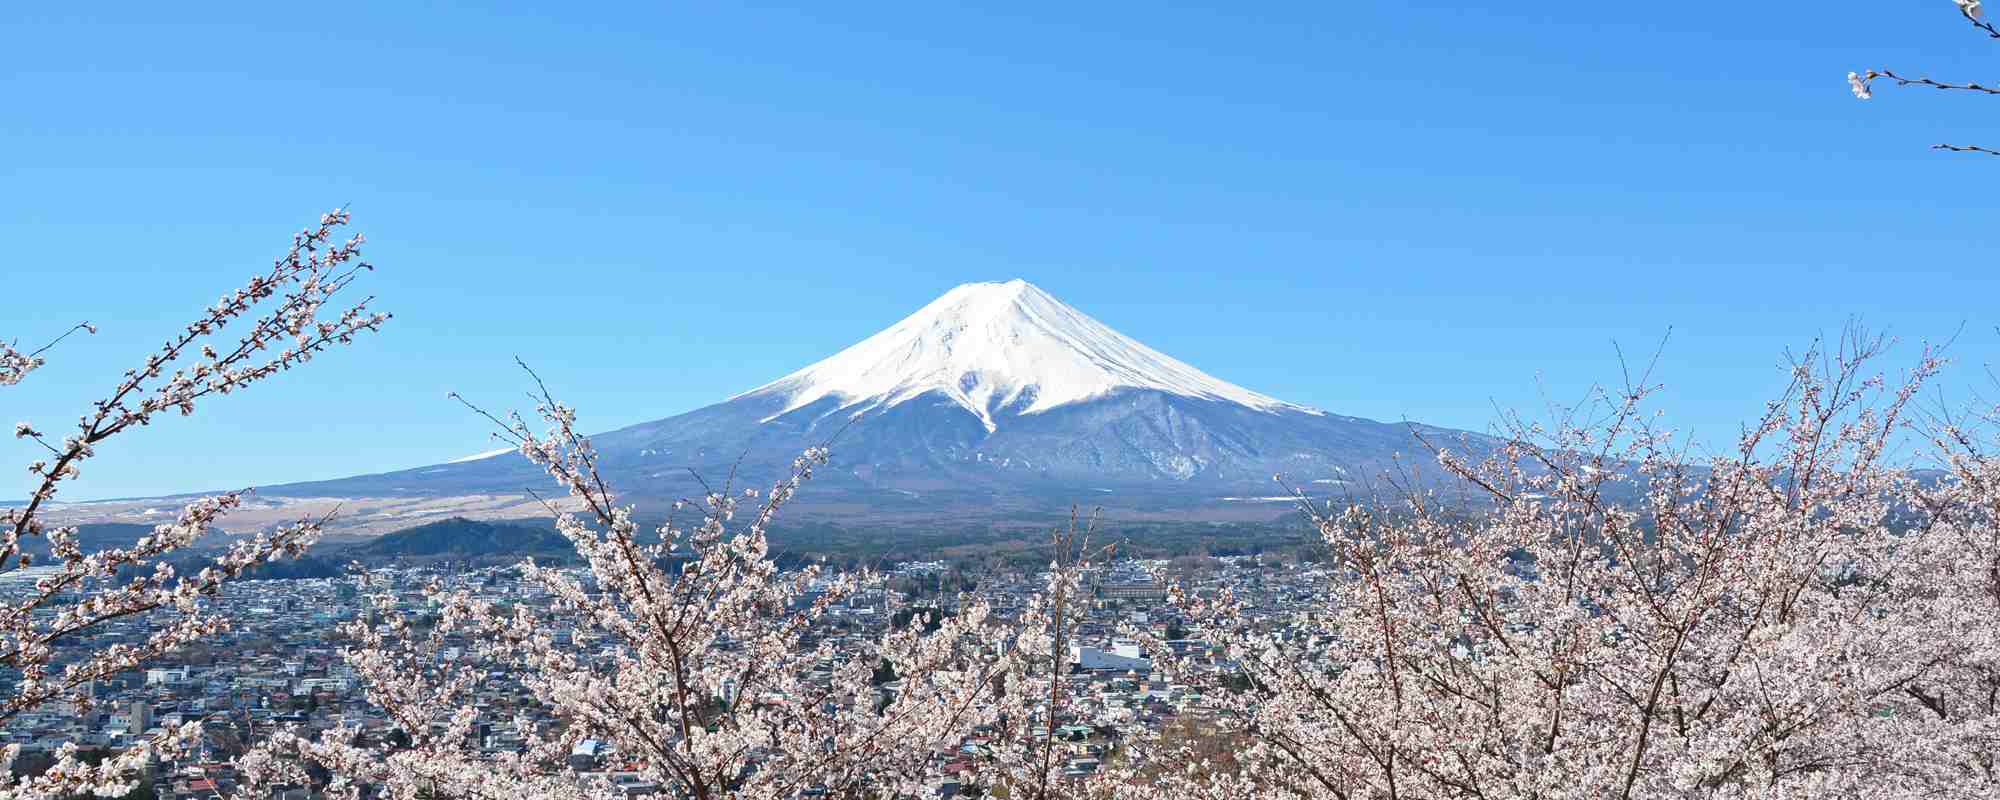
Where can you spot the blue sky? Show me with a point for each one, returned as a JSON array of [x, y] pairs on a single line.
[[1391, 210]]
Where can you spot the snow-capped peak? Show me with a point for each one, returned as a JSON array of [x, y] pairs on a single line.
[[993, 346]]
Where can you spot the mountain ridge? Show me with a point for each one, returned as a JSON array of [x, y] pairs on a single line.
[[995, 400]]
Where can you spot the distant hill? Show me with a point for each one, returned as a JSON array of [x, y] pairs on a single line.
[[459, 537], [455, 540]]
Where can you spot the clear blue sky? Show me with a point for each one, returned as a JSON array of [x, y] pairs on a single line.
[[1386, 209]]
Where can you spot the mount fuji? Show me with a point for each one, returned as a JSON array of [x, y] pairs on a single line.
[[996, 398]]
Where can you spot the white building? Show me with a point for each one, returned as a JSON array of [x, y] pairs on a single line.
[[1124, 656], [168, 676]]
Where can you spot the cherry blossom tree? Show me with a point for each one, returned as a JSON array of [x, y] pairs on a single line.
[[78, 590], [694, 661], [1863, 83], [1801, 616]]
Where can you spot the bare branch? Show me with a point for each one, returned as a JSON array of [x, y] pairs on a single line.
[[1966, 148]]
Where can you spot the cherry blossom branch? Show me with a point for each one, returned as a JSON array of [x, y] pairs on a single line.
[[1861, 83], [87, 589], [1972, 10], [15, 365], [311, 272]]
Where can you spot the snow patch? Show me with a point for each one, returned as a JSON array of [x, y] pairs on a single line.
[[478, 456]]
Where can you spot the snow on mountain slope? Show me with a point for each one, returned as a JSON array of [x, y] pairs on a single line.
[[994, 347], [993, 402]]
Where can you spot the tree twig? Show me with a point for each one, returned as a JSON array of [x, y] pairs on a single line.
[[1966, 148]]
